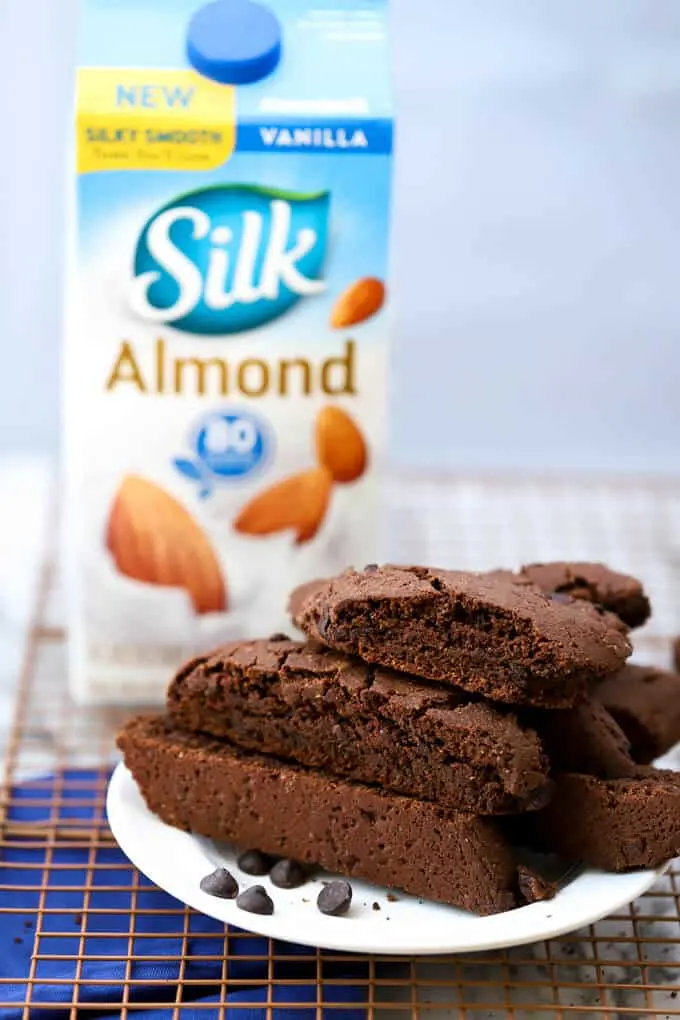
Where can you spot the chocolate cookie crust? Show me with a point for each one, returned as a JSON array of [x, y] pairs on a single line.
[[323, 709], [213, 789], [485, 633]]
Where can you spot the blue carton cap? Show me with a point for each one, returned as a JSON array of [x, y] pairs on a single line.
[[234, 42]]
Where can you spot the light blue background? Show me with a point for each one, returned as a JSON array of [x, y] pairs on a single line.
[[536, 263]]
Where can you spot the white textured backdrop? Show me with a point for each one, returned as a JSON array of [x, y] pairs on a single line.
[[536, 240]]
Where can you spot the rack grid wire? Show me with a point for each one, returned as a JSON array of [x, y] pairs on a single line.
[[59, 757]]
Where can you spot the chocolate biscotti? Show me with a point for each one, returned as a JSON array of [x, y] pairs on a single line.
[[488, 634], [645, 701], [594, 582], [327, 710], [614, 824], [211, 788], [585, 739]]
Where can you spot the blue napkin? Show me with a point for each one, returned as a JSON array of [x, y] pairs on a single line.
[[67, 914]]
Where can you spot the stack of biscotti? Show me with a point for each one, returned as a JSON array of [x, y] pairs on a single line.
[[431, 721]]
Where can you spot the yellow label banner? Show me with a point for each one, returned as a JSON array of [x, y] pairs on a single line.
[[129, 119]]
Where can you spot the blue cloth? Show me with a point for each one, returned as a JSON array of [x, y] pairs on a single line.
[[68, 914]]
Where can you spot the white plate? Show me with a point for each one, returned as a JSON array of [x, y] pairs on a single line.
[[177, 861]]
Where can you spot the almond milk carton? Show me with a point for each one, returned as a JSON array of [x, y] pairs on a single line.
[[227, 338]]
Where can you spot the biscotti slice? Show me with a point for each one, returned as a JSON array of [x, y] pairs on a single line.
[[584, 739], [620, 594], [328, 710], [613, 824], [488, 634], [594, 582], [213, 789], [645, 702]]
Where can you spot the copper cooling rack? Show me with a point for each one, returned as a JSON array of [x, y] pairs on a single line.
[[58, 758]]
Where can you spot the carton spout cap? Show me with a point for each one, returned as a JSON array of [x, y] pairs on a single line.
[[234, 42]]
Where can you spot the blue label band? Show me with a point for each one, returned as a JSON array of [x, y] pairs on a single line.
[[334, 135]]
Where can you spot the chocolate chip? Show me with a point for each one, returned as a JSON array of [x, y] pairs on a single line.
[[561, 596], [220, 882], [370, 568], [287, 874], [376, 906], [335, 898], [279, 637], [255, 863], [255, 900], [533, 887]]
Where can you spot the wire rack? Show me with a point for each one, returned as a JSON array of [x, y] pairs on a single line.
[[101, 938]]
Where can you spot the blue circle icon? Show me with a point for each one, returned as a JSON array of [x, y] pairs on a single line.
[[231, 445], [225, 446]]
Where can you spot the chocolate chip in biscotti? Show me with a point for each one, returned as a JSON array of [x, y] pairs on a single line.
[[487, 633], [541, 875], [534, 887], [335, 898], [255, 900], [279, 636], [288, 874], [220, 882], [255, 863]]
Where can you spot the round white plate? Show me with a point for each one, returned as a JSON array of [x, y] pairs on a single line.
[[177, 861]]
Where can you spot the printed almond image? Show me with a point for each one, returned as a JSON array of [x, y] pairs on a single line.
[[340, 444], [152, 538], [298, 504], [358, 303]]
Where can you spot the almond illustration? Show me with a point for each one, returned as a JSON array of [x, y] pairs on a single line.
[[340, 445], [358, 303], [152, 538], [298, 503]]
